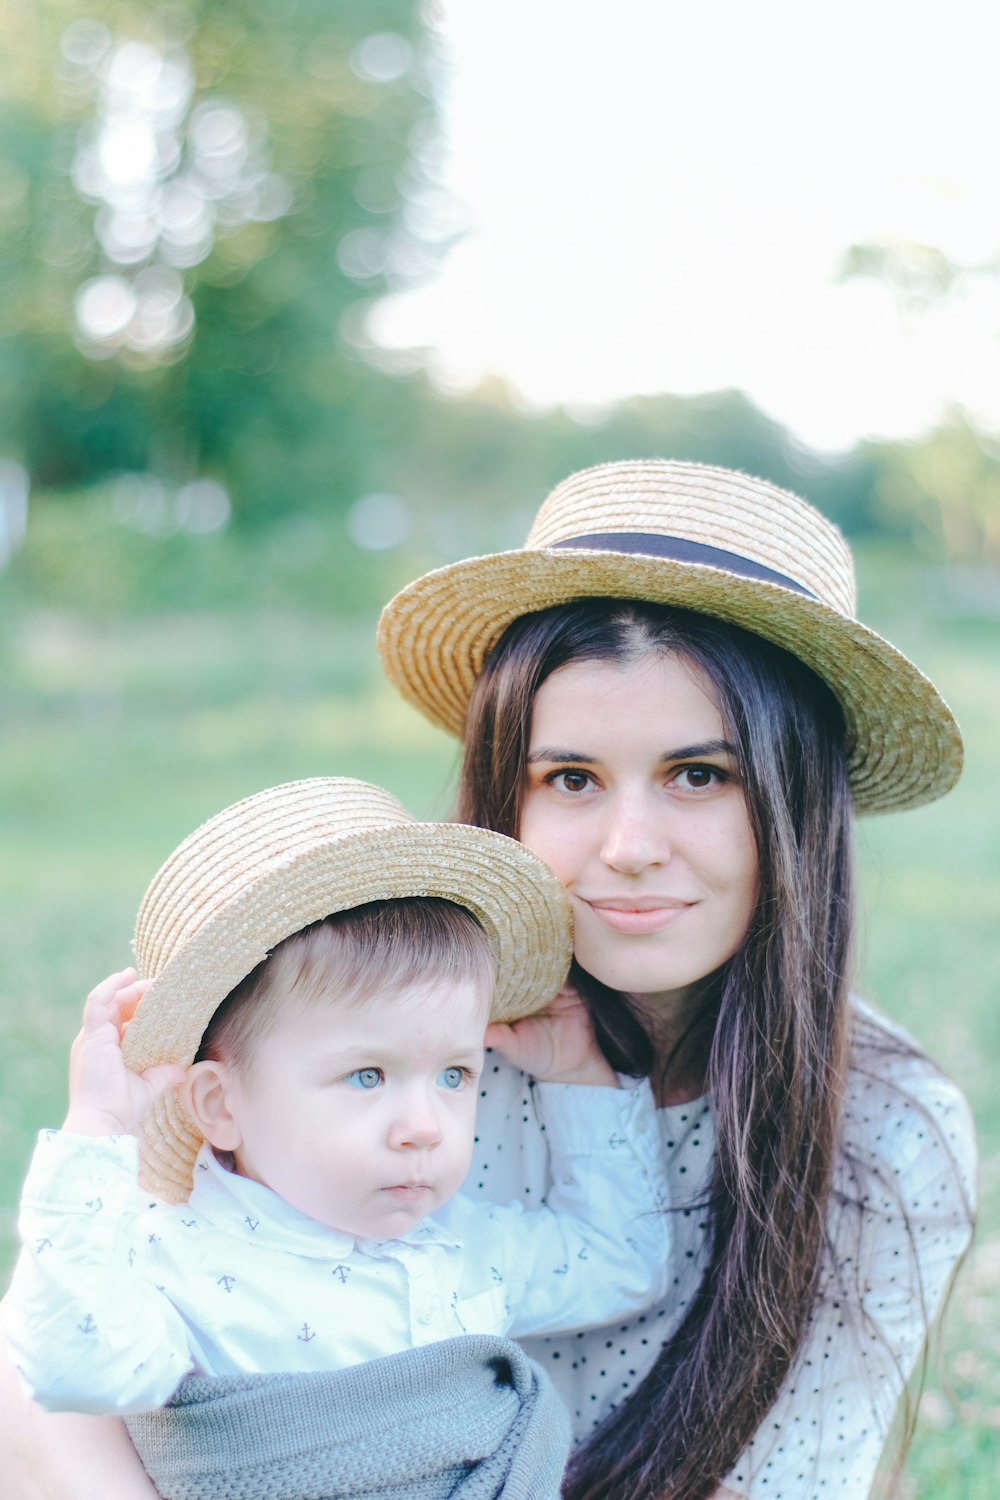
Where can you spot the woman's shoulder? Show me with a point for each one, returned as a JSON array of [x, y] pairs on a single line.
[[903, 1115], [887, 1062]]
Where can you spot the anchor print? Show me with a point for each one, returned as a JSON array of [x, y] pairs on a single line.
[[617, 1141], [190, 1223], [341, 1273], [307, 1335], [94, 1204], [251, 1223], [88, 1325], [226, 1282], [41, 1245]]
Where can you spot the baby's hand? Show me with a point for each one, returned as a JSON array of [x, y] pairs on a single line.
[[556, 1045], [104, 1097]]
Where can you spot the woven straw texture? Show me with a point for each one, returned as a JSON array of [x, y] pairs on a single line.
[[903, 743], [266, 867]]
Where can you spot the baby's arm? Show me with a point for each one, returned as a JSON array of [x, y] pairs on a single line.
[[84, 1327], [598, 1250]]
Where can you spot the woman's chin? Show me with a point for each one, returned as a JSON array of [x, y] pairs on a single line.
[[646, 982]]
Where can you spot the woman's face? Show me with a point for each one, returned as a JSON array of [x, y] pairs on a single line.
[[633, 799]]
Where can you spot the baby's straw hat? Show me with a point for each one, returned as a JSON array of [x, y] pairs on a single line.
[[703, 539], [275, 862]]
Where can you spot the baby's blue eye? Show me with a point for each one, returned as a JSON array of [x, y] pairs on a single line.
[[451, 1078], [365, 1078]]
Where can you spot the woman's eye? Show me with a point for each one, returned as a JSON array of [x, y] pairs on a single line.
[[570, 781], [365, 1078], [451, 1078], [698, 777]]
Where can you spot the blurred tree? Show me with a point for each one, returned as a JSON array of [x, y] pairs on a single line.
[[473, 470], [944, 489], [916, 274], [198, 203], [191, 199]]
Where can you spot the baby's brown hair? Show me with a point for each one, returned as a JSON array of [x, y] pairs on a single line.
[[350, 957]]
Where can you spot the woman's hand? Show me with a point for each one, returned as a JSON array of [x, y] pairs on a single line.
[[557, 1045], [104, 1097], [62, 1456]]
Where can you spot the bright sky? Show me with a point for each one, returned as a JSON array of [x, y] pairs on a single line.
[[659, 195]]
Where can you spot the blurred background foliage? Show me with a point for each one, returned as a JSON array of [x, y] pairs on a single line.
[[198, 207], [211, 477], [202, 195]]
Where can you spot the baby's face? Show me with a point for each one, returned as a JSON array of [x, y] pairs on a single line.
[[362, 1115]]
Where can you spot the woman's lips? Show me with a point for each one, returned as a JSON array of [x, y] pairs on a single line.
[[637, 914]]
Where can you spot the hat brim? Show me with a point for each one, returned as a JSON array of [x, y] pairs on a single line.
[[904, 745], [522, 908]]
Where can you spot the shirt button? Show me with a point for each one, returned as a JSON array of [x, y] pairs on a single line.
[[425, 1312]]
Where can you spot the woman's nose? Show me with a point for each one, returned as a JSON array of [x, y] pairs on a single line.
[[634, 835], [416, 1124]]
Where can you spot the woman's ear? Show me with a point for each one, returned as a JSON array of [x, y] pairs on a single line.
[[207, 1090]]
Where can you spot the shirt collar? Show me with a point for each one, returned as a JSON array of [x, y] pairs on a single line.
[[253, 1213]]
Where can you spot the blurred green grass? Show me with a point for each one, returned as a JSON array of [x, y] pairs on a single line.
[[120, 732]]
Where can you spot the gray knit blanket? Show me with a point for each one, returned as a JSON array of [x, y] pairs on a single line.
[[470, 1417]]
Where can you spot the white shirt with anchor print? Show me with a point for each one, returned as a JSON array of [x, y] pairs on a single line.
[[116, 1299]]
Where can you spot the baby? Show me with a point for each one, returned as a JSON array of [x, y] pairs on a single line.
[[295, 1086]]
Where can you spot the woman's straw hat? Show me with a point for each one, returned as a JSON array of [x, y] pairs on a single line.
[[276, 862], [703, 539]]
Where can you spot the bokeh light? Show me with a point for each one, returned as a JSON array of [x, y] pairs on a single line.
[[382, 57], [378, 522], [167, 177], [14, 488]]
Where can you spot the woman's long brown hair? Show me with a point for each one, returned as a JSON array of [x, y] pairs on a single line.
[[777, 1056]]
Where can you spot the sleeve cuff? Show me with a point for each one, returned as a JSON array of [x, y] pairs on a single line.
[[74, 1173]]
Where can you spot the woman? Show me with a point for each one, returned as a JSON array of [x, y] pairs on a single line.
[[667, 697], [682, 744]]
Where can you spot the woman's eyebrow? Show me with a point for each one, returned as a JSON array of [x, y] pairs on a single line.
[[706, 747], [684, 752], [546, 752]]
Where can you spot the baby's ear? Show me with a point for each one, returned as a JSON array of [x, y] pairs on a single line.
[[207, 1090]]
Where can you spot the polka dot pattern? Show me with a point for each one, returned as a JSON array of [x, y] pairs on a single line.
[[899, 1219]]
